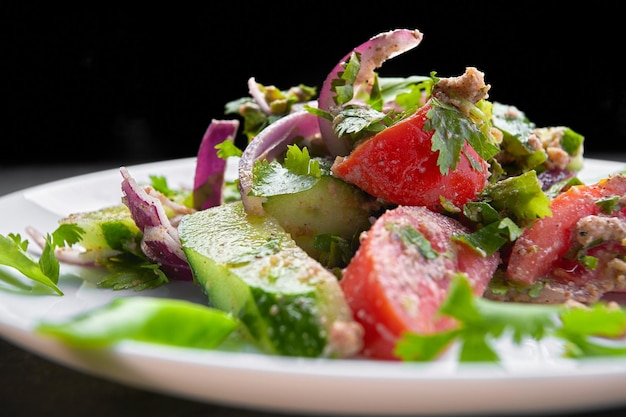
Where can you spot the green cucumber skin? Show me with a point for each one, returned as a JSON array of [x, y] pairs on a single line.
[[251, 267], [331, 206]]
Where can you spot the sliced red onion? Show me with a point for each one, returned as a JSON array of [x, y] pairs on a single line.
[[209, 175], [75, 254], [160, 243], [374, 53], [258, 96], [268, 144]]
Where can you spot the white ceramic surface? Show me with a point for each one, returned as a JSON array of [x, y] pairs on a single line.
[[530, 378]]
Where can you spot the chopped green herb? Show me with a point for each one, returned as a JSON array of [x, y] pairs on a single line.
[[413, 238], [482, 321]]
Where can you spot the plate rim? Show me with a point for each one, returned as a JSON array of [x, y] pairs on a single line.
[[368, 371]]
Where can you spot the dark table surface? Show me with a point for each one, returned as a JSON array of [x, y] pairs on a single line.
[[31, 385]]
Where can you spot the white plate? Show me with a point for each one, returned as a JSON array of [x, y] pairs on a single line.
[[530, 378]]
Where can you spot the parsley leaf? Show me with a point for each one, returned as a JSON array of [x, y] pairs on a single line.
[[412, 237], [300, 172], [488, 239], [451, 130], [356, 120], [299, 162], [585, 331], [45, 270], [227, 149], [344, 85], [130, 272]]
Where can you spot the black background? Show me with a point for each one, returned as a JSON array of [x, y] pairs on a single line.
[[133, 84]]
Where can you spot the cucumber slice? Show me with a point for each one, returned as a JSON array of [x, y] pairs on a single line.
[[252, 268], [331, 206], [109, 231]]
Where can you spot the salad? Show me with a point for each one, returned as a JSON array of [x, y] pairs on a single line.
[[387, 218]]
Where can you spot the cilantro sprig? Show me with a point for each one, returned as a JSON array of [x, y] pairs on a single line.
[[298, 172], [585, 331], [360, 112], [45, 270], [452, 130]]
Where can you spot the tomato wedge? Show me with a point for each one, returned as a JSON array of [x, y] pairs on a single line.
[[399, 166], [400, 276], [543, 247]]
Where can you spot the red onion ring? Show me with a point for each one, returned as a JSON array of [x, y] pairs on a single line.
[[209, 175], [374, 53], [160, 243], [268, 144]]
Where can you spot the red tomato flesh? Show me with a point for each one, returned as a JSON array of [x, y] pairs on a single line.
[[541, 248], [399, 166], [392, 288]]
